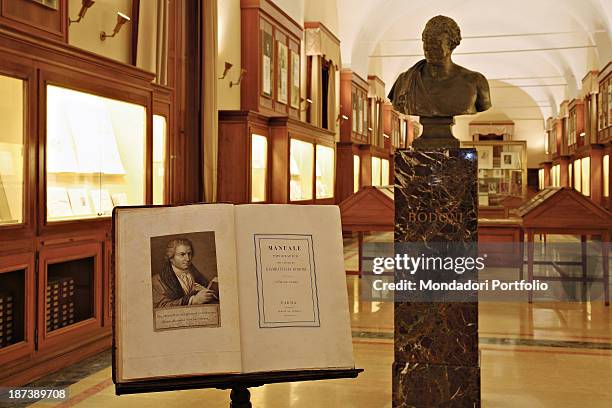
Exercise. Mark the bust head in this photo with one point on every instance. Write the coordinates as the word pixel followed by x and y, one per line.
pixel 440 37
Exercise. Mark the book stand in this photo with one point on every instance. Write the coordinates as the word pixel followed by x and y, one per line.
pixel 238 383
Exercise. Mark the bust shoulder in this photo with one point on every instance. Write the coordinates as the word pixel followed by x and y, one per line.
pixel 469 75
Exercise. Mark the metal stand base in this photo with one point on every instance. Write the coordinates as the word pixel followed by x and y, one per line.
pixel 240 398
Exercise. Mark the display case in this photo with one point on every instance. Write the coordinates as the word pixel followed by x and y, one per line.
pixel 354 107
pixel 12 150
pixel 376 172
pixel 604 103
pixel 160 143
pixel 259 168
pixel 271 56
pixel 324 172
pixel 502 171
pixel 301 155
pixel 356 173
pixel 576 126
pixel 243 174
pixel 95 154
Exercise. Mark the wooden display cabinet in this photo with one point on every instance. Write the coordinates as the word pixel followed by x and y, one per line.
pixel 576 126
pixel 49 22
pixel 17 308
pixel 604 105
pixel 35 243
pixel 354 106
pixel 270 53
pixel 236 157
pixel 502 171
pixel 74 310
pixel 296 152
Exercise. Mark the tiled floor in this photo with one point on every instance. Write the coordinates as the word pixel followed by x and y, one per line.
pixel 556 355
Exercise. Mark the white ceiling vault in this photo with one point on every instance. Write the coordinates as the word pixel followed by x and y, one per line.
pixel 536 48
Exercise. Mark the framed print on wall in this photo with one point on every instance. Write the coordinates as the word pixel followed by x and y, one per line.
pixel 295 80
pixel 485 157
pixel 267 64
pixel 509 160
pixel 283 73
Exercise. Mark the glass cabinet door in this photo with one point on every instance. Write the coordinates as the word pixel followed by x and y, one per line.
pixel 11 150
pixel 356 172
pixel 259 167
pixel 160 135
pixel 95 154
pixel 376 171
pixel 385 172
pixel 324 181
pixel 301 168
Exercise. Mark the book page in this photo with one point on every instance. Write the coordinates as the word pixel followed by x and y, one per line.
pixel 292 287
pixel 176 292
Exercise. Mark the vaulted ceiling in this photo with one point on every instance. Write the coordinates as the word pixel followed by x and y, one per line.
pixel 536 48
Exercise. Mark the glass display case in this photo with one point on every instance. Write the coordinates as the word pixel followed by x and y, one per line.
pixel 12 307
pixel 356 172
pixel 324 176
pixel 555 175
pixel 160 137
pixel 586 175
pixel 11 150
pixel 95 154
pixel 259 167
pixel 541 179
pixel 384 173
pixel 502 170
pixel 576 177
pixel 301 169
pixel 606 175
pixel 376 171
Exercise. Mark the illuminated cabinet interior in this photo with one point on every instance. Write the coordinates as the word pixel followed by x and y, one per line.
pixel 376 171
pixel 384 172
pixel 540 179
pixel 95 155
pixel 586 175
pixel 324 182
pixel 301 170
pixel 577 175
pixel 356 172
pixel 160 136
pixel 606 175
pixel 259 164
pixel 502 170
pixel 11 150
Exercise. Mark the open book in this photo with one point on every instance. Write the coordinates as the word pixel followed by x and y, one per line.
pixel 216 288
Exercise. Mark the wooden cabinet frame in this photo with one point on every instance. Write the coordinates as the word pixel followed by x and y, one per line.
pixel 79 330
pixel 25 347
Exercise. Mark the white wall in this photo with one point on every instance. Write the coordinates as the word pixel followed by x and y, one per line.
pixel 228 50
pixel 102 16
pixel 294 8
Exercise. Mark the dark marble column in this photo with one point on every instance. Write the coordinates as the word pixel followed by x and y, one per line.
pixel 436 344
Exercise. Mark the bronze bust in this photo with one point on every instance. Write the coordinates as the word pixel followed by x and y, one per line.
pixel 436 89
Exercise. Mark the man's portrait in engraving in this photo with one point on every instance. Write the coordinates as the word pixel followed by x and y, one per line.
pixel 184 275
pixel 436 86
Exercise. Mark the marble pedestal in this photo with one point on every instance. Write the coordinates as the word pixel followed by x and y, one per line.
pixel 436 360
